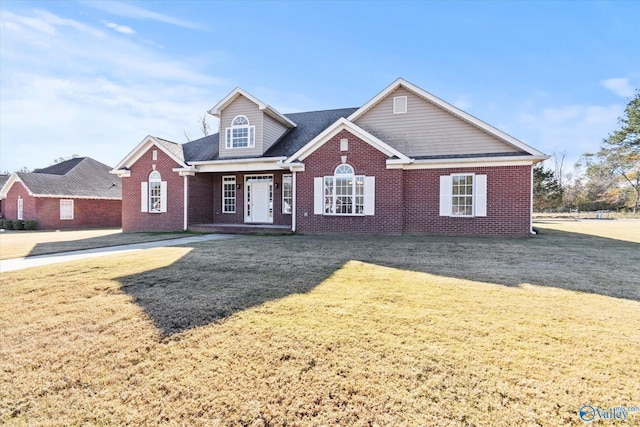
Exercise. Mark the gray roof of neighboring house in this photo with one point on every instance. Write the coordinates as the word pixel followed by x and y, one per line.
pixel 3 179
pixel 309 125
pixel 78 177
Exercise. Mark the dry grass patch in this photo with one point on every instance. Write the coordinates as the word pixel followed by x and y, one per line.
pixel 20 244
pixel 625 229
pixel 306 330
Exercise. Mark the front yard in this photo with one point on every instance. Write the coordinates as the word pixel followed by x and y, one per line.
pixel 329 330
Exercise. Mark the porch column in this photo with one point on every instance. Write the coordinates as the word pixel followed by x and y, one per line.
pixel 293 201
pixel 186 202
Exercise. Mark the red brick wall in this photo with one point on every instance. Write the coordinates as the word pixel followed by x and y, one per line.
pixel 132 219
pixel 87 213
pixel 408 201
pixel 365 160
pixel 10 204
pixel 201 198
pixel 508 202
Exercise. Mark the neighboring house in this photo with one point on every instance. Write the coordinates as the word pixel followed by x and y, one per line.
pixel 3 179
pixel 404 162
pixel 77 193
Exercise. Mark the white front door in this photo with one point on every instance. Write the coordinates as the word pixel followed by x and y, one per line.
pixel 259 202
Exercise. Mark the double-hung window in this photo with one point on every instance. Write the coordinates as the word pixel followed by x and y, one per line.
pixel 153 194
pixel 66 209
pixel 287 194
pixel 20 208
pixel 240 134
pixel 229 194
pixel 463 195
pixel 344 193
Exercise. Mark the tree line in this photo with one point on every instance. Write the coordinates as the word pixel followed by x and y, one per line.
pixel 608 179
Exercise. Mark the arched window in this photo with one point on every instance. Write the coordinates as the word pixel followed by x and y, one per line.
pixel 155 192
pixel 240 134
pixel 344 192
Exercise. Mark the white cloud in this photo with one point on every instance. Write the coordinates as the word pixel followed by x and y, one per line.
pixel 619 86
pixel 463 102
pixel 67 87
pixel 119 28
pixel 576 129
pixel 136 12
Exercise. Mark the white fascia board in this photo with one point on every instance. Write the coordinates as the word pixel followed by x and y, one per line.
pixel 241 165
pixel 7 185
pixel 471 162
pixel 122 173
pixel 68 196
pixel 186 171
pixel 334 129
pixel 447 107
pixel 216 110
pixel 142 148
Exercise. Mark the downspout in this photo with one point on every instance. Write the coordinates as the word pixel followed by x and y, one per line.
pixel 531 230
pixel 185 204
pixel 293 201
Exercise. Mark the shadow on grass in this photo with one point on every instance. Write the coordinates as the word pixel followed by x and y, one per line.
pixel 109 240
pixel 218 279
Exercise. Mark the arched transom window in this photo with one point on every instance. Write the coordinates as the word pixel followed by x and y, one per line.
pixel 155 192
pixel 241 134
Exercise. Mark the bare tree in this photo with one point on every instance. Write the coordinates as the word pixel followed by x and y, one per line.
pixel 558 166
pixel 204 125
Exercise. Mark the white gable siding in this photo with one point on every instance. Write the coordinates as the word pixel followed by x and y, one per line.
pixel 241 105
pixel 272 131
pixel 426 129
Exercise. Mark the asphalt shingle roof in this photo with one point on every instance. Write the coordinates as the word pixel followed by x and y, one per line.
pixel 309 125
pixel 78 177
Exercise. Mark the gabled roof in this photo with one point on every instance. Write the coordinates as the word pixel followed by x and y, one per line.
pixel 81 177
pixel 172 149
pixel 272 112
pixel 400 82
pixel 354 129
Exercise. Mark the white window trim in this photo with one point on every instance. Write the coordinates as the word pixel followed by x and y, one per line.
pixel 230 180
pixel 473 197
pixel 251 134
pixel 145 196
pixel 290 178
pixel 400 101
pixel 478 195
pixel 20 208
pixel 69 208
pixel 368 197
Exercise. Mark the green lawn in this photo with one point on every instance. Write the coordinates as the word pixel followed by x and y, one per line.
pixel 327 330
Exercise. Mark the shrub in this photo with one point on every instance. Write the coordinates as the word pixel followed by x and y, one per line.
pixel 7 224
pixel 18 224
pixel 30 224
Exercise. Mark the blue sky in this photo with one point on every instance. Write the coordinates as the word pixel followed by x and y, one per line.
pixel 93 78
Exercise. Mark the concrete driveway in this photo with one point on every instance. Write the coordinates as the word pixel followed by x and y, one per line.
pixel 35 261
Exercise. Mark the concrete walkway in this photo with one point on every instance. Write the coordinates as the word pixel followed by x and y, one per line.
pixel 35 261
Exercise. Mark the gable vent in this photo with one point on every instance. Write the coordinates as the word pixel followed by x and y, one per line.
pixel 399 104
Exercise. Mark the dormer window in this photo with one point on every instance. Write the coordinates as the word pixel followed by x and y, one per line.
pixel 240 134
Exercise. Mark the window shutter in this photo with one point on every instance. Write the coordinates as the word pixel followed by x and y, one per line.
pixel 163 196
pixel 144 197
pixel 445 195
pixel 369 195
pixel 228 139
pixel 252 131
pixel 318 198
pixel 481 195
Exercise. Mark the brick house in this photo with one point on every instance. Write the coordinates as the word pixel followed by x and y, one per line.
pixel 74 194
pixel 404 162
